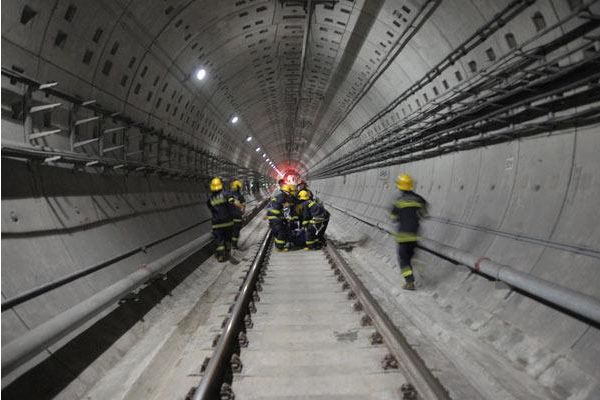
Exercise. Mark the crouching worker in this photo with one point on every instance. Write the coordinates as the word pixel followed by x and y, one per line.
pixel 223 210
pixel 240 208
pixel 314 219
pixel 408 209
pixel 277 221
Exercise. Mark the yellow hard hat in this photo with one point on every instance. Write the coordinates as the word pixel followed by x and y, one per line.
pixel 287 188
pixel 304 195
pixel 404 182
pixel 236 184
pixel 216 184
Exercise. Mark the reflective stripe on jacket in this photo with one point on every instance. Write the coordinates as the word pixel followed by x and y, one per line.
pixel 313 212
pixel 222 209
pixel 407 212
pixel 275 210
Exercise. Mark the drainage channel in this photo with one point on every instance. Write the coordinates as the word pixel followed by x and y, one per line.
pixel 304 326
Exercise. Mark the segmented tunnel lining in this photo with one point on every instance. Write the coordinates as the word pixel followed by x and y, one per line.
pixel 307 342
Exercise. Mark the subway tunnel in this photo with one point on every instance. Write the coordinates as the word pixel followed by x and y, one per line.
pixel 116 115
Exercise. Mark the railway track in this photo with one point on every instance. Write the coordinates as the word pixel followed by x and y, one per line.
pixel 304 326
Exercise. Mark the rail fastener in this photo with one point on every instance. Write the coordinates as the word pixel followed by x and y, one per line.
pixel 422 383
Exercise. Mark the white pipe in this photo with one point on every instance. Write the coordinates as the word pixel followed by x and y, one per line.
pixel 27 346
pixel 578 303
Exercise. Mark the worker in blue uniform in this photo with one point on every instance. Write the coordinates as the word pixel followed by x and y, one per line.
pixel 280 184
pixel 276 217
pixel 301 185
pixel 240 208
pixel 291 211
pixel 407 212
pixel 314 219
pixel 222 208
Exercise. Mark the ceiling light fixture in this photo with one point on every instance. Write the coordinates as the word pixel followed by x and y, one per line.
pixel 234 119
pixel 201 74
pixel 249 139
pixel 257 149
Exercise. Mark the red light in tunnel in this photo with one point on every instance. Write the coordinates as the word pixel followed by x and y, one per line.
pixel 288 171
pixel 291 177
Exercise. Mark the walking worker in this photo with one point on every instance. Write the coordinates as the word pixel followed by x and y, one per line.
pixel 240 208
pixel 221 205
pixel 276 217
pixel 314 219
pixel 408 210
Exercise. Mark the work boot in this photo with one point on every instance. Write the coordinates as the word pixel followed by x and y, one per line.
pixel 221 258
pixel 409 286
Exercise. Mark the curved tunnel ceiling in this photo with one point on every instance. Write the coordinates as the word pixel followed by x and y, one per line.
pixel 303 76
pixel 346 93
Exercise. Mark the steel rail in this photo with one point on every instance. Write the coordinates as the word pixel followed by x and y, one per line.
pixel 409 361
pixel 581 305
pixel 210 386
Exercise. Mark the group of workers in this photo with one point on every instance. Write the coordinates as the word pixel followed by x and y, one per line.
pixel 227 208
pixel 297 219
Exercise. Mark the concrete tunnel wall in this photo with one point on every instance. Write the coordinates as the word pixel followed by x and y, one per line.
pixel 530 204
pixel 445 30
pixel 56 221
